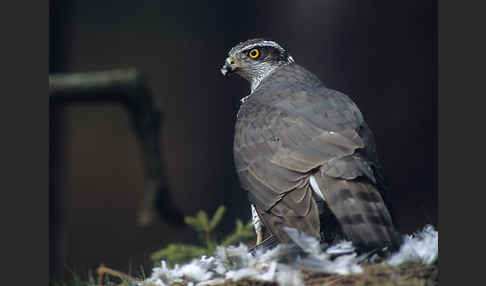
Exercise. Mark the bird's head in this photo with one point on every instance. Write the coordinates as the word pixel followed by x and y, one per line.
pixel 255 59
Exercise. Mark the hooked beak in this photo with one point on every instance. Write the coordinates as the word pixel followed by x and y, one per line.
pixel 230 66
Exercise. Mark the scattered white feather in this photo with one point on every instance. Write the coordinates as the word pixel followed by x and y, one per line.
pixel 307 243
pixel 283 264
pixel 341 247
pixel 320 261
pixel 196 271
pixel 289 276
pixel 269 275
pixel 422 247
pixel 241 273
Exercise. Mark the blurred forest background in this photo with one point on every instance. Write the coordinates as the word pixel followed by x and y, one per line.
pixel 383 54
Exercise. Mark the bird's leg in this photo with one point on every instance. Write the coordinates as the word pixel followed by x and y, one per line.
pixel 257 225
pixel 259 237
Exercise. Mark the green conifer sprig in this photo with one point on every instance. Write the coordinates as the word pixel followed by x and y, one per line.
pixel 178 253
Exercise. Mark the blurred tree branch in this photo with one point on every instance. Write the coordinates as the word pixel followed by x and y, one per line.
pixel 128 87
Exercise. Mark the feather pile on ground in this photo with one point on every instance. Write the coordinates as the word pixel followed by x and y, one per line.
pixel 416 263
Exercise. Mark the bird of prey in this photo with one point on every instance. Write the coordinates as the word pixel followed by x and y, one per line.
pixel 305 155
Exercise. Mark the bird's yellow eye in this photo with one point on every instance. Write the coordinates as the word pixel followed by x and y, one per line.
pixel 254 53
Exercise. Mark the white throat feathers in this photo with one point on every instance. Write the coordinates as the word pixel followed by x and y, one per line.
pixel 266 69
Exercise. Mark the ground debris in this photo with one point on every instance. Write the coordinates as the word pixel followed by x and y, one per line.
pixel 380 274
pixel 410 274
pixel 416 263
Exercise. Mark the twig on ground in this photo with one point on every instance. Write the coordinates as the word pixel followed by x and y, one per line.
pixel 102 270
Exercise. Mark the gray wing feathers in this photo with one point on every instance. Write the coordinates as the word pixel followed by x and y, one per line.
pixel 296 209
pixel 312 153
pixel 287 131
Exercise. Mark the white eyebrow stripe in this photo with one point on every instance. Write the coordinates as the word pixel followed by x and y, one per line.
pixel 262 44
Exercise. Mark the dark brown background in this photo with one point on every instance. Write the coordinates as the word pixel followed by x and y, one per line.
pixel 383 54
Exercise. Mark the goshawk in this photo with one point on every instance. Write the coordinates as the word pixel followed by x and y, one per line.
pixel 305 155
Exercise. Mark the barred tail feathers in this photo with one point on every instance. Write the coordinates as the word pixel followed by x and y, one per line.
pixel 360 210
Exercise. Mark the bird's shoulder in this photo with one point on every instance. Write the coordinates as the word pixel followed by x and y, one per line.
pixel 292 92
